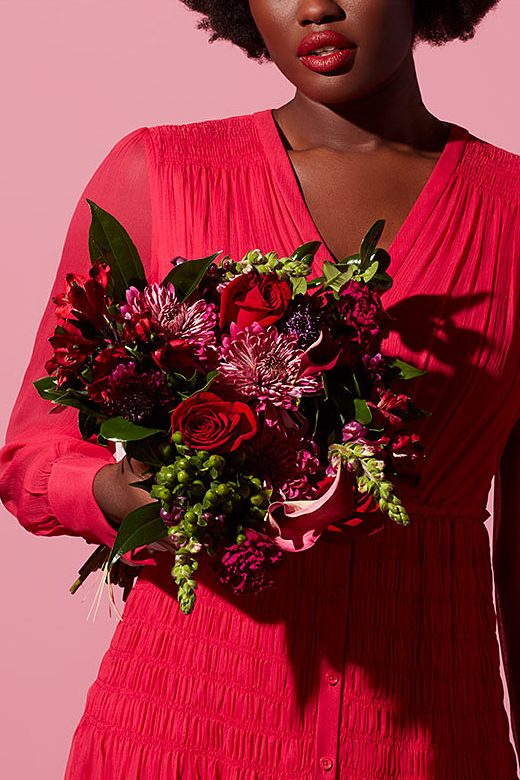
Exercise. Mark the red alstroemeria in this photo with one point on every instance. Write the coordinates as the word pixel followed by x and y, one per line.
pixel 390 410
pixel 71 349
pixel 86 299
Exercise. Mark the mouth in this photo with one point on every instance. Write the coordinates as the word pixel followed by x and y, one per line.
pixel 326 51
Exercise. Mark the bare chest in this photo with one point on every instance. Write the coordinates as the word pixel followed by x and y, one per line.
pixel 346 194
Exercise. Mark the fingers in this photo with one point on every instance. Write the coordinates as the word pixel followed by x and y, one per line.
pixel 136 467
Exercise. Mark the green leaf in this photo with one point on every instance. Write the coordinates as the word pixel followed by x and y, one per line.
pixel 370 271
pixel 187 276
pixel 310 248
pixel 342 397
pixel 88 425
pixel 382 257
pixel 330 270
pixel 325 381
pixel 337 280
pixel 119 429
pixel 140 527
pixel 45 384
pixel 209 379
pixel 349 260
pixel 405 370
pixel 109 241
pixel 299 285
pixel 362 411
pixel 382 281
pixel 144 450
pixel 48 390
pixel 369 243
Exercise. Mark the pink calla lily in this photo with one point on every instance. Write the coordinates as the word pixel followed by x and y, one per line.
pixel 321 355
pixel 297 525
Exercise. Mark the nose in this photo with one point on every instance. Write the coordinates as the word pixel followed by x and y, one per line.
pixel 319 12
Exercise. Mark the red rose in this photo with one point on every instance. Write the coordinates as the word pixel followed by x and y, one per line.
pixel 209 423
pixel 254 297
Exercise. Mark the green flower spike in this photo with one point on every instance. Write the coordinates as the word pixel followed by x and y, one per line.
pixel 370 478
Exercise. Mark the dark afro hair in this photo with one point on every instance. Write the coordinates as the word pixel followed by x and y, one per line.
pixel 436 21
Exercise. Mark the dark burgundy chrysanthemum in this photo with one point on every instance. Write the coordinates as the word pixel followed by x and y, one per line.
pixel 246 567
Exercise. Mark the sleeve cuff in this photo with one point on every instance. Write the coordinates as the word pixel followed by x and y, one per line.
pixel 72 502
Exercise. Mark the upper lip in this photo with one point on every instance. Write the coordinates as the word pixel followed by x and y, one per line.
pixel 316 40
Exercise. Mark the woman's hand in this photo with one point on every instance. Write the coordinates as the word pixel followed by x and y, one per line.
pixel 113 490
pixel 116 497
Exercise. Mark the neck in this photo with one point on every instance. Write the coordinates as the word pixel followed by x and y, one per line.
pixel 394 114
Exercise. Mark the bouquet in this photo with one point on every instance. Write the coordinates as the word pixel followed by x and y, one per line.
pixel 257 393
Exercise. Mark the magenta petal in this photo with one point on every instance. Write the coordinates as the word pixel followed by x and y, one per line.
pixel 299 524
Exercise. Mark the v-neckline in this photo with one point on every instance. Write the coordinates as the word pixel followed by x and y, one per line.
pixel 288 182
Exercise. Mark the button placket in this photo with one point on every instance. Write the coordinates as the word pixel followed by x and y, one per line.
pixel 333 620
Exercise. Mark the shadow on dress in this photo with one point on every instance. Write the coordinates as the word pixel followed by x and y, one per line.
pixel 420 626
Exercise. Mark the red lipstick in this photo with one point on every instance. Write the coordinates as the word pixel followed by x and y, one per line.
pixel 342 51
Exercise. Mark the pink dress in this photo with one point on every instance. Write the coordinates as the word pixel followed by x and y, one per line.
pixel 371 660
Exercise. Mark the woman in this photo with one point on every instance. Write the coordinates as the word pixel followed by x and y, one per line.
pixel 374 657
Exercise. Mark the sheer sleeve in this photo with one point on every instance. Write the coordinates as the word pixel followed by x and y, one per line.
pixel 46 468
pixel 506 567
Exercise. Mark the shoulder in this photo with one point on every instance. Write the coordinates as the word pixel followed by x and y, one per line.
pixel 491 167
pixel 211 141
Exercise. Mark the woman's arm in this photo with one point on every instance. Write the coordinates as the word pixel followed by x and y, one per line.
pixel 506 566
pixel 46 469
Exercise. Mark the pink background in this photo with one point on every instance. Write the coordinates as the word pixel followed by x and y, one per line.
pixel 79 76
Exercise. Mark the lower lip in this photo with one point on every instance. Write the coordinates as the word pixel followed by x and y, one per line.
pixel 328 63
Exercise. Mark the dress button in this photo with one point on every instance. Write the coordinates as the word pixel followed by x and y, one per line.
pixel 339 591
pixel 332 678
pixel 326 763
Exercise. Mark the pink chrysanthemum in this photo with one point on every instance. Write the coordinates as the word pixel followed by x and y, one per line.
pixel 193 323
pixel 260 363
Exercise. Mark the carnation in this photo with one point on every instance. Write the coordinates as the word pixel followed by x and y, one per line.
pixel 362 314
pixel 247 566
